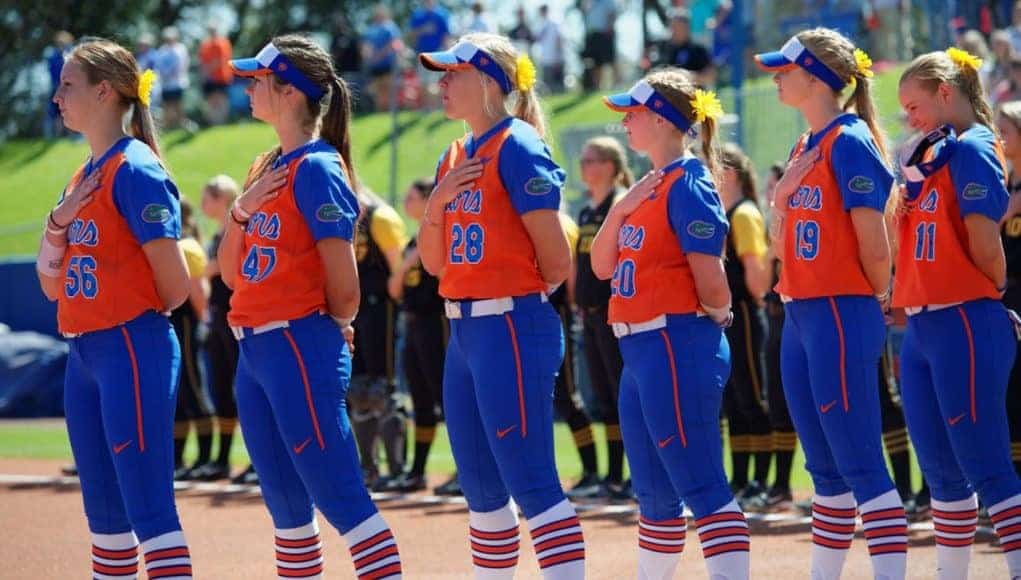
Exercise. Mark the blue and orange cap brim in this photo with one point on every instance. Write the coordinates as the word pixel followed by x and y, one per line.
pixel 622 103
pixel 248 67
pixel 442 61
pixel 774 61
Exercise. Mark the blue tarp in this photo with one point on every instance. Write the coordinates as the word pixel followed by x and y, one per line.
pixel 31 375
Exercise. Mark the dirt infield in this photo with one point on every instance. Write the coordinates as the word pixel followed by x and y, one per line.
pixel 230 536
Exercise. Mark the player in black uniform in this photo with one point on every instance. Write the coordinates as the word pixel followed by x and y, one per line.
pixel 1009 124
pixel 605 174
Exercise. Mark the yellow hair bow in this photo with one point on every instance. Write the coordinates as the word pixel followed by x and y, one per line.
pixel 145 83
pixel 706 106
pixel 524 76
pixel 964 59
pixel 863 63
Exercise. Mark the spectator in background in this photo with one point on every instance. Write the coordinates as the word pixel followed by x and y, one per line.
pixel 53 125
pixel 521 35
pixel 147 57
pixel 550 54
pixel 681 51
pixel 1015 28
pixel 380 46
pixel 703 15
pixel 600 41
pixel 173 61
pixel 346 50
pixel 215 53
pixel 1001 52
pixel 478 21
pixel 430 32
pixel 1010 88
pixel 973 42
pixel 889 29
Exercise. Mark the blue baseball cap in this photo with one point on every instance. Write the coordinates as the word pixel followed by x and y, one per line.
pixel 271 61
pixel 794 54
pixel 464 55
pixel 644 96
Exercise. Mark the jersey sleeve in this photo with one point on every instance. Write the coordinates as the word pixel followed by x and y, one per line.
pixel 696 215
pixel 530 175
pixel 387 229
pixel 863 178
pixel 324 198
pixel 148 201
pixel 748 231
pixel 979 179
pixel 194 257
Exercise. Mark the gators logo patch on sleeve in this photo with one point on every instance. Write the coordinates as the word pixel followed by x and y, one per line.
pixel 538 186
pixel 329 212
pixel 861 184
pixel 701 230
pixel 974 191
pixel 155 213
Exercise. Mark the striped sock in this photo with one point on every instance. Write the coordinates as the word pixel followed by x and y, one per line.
pixel 832 532
pixel 167 557
pixel 725 542
pixel 374 550
pixel 955 523
pixel 886 533
pixel 495 542
pixel 660 543
pixel 1006 517
pixel 114 556
pixel 299 552
pixel 559 545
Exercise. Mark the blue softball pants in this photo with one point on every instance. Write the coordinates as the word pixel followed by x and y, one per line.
pixel 498 404
pixel 120 394
pixel 291 393
pixel 955 364
pixel 671 390
pixel 829 354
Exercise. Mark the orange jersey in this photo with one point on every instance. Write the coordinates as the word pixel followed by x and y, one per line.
pixel 653 276
pixel 489 252
pixel 108 277
pixel 215 55
pixel 934 264
pixel 820 247
pixel 281 274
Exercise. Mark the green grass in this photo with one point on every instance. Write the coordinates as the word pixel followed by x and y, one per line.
pixel 33 172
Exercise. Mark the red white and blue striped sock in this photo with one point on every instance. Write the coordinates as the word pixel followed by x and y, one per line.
pixel 955 523
pixel 559 545
pixel 832 532
pixel 114 556
pixel 167 557
pixel 886 532
pixel 725 542
pixel 1006 517
pixel 299 552
pixel 374 550
pixel 495 542
pixel 660 543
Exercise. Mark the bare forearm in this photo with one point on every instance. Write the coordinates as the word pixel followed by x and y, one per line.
pixel 430 242
pixel 989 259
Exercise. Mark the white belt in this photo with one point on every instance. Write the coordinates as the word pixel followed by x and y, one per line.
pixel 785 298
pixel 477 308
pixel 913 310
pixel 625 328
pixel 241 332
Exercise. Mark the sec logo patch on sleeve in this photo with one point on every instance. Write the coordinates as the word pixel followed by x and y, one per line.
pixel 701 230
pixel 155 213
pixel 861 184
pixel 329 212
pixel 538 186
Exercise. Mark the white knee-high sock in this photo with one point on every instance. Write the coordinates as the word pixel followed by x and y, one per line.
pixel 1006 517
pixel 299 552
pixel 167 557
pixel 832 532
pixel 660 543
pixel 559 545
pixel 114 556
pixel 495 542
pixel 886 532
pixel 955 523
pixel 725 543
pixel 374 550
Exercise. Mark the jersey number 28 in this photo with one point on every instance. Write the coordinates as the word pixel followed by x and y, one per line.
pixel 467 244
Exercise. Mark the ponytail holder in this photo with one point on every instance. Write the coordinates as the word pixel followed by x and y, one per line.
pixel 524 75
pixel 964 59
pixel 706 106
pixel 145 83
pixel 863 63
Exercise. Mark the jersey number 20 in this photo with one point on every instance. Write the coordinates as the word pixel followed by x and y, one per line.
pixel 467 244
